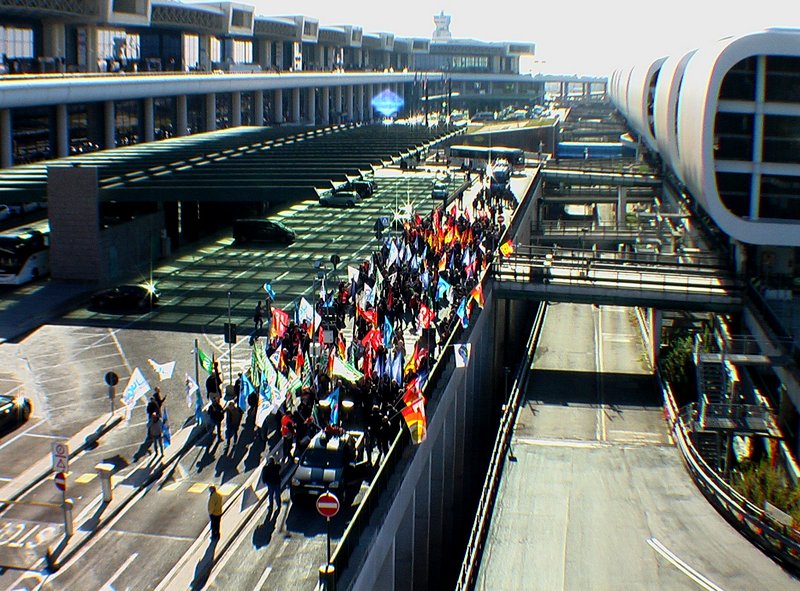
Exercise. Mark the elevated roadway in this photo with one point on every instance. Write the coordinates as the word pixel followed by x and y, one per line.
pixel 595 495
pixel 586 276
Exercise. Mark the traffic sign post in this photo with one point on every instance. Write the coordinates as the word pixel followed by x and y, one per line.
pixel 60 480
pixel 111 379
pixel 328 506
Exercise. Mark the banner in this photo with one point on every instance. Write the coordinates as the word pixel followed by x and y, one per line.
pixel 463 351
pixel 191 388
pixel 137 387
pixel 345 370
pixel 206 362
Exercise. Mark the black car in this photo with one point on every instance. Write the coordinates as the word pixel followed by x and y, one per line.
pixel 260 230
pixel 126 297
pixel 14 410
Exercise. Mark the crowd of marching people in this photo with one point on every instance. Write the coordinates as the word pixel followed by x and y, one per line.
pixel 343 362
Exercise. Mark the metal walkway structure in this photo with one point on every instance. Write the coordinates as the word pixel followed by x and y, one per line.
pixel 667 282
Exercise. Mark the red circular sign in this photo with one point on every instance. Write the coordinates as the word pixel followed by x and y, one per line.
pixel 60 481
pixel 327 505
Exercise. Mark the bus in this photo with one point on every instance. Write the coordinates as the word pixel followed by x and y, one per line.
pixel 24 254
pixel 477 157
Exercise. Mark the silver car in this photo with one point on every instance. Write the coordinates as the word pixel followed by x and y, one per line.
pixel 340 199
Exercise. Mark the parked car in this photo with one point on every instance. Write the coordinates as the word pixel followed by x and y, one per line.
pixel 365 187
pixel 340 199
pixel 19 208
pixel 126 297
pixel 5 212
pixel 14 410
pixel 262 230
pixel 330 462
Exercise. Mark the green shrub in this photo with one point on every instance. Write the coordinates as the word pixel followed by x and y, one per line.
pixel 760 482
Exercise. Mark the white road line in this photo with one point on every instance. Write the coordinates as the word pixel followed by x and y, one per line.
pixel 682 566
pixel 88 509
pixel 113 335
pixel 263 579
pixel 118 572
pixel 573 443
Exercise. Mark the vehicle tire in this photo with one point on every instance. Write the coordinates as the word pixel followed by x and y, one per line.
pixel 351 204
pixel 25 411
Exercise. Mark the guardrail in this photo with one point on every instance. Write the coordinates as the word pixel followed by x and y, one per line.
pixel 480 525
pixel 779 542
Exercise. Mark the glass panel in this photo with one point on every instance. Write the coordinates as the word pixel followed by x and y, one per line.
pixel 740 82
pixel 734 190
pixel 781 139
pixel 780 197
pixel 733 136
pixel 783 79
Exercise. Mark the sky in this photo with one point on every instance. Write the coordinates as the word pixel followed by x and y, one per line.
pixel 590 37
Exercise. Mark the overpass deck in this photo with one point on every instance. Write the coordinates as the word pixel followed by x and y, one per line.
pixel 586 276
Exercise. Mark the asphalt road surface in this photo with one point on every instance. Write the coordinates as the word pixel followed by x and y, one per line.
pixel 598 497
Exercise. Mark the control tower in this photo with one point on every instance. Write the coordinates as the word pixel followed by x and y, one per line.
pixel 442 31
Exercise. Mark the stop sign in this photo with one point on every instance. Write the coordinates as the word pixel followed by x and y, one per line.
pixel 327 505
pixel 60 481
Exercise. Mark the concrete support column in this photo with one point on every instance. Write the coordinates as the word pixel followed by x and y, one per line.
pixel 148 120
pixel 204 56
pixel 295 106
pixel 277 105
pixel 236 109
pixel 62 131
pixel 349 103
pixel 311 106
pixel 54 37
pixel 338 99
pixel 622 205
pixel 109 125
pixel 655 334
pixel 264 55
pixel 369 93
pixel 6 144
pixel 211 111
pixel 258 107
pixel 325 99
pixel 360 102
pixel 182 115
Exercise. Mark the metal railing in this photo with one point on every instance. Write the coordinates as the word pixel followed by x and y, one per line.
pixel 778 541
pixel 482 521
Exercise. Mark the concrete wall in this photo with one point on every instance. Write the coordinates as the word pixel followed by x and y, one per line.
pixel 130 248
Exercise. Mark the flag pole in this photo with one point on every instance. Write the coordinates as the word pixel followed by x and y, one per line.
pixel 197 362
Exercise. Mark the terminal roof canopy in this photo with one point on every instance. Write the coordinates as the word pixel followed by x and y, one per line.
pixel 240 164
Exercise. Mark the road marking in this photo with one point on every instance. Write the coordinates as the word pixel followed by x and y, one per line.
pixel 262 579
pixel 85 478
pixel 226 489
pixel 118 572
pixel 198 487
pixel 113 335
pixel 682 566
pixel 573 443
pixel 600 425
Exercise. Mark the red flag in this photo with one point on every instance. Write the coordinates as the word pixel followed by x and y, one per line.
pixel 413 392
pixel 280 322
pixel 416 422
pixel 426 316
pixel 370 316
pixel 443 262
pixel 321 336
pixel 453 210
pixel 373 339
pixel 477 295
pixel 299 362
pixel 340 346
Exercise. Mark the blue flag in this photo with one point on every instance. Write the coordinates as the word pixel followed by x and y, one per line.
pixel 396 371
pixel 442 288
pixel 333 400
pixel 245 390
pixel 265 390
pixel 269 290
pixel 165 430
pixel 462 313
pixel 388 331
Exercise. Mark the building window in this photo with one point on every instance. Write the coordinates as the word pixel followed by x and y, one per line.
pixel 733 135
pixel 781 139
pixel 16 42
pixel 740 81
pixel 191 51
pixel 241 19
pixel 780 197
pixel 734 191
pixel 242 52
pixel 117 44
pixel 216 50
pixel 783 79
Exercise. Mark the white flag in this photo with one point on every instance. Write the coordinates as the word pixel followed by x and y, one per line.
pixel 164 371
pixel 191 388
pixel 352 273
pixel 137 387
pixel 462 354
pixel 305 311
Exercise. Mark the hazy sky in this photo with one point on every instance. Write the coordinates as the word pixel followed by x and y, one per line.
pixel 578 36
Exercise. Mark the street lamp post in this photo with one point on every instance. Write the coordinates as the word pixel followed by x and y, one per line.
pixel 230 346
